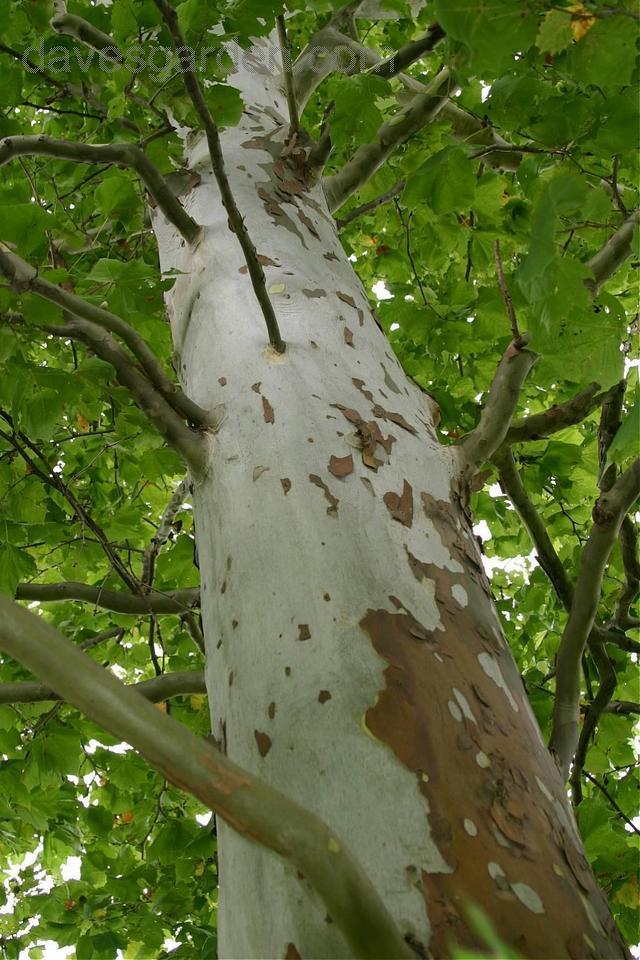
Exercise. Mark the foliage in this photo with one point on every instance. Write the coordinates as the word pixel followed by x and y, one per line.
pixel 558 83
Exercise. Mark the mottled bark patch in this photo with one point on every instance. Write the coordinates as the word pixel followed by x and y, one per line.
pixel 264 742
pixel 476 767
pixel 400 506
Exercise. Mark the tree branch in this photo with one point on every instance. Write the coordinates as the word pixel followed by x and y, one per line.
pixel 613 254
pixel 370 156
pixel 79 28
pixel 163 532
pixel 254 267
pixel 512 484
pixel 22 276
pixel 171 601
pixel 480 445
pixel 190 444
pixel 120 154
pixel 631 564
pixel 155 690
pixel 556 418
pixel 606 688
pixel 607 518
pixel 287 69
pixel 248 805
pixel 370 205
pixel 21 444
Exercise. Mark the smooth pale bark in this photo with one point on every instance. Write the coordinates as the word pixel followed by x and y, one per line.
pixel 354 656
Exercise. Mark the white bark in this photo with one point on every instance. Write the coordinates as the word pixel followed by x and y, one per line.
pixel 304 573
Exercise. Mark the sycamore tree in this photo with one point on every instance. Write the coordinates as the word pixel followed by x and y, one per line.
pixel 304 308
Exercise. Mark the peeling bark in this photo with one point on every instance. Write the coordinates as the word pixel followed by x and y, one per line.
pixel 356 620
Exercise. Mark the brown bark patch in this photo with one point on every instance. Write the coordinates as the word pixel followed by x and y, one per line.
pixel 493 825
pixel 341 466
pixel 292 952
pixel 303 631
pixel 222 381
pixel 332 509
pixel 348 336
pixel 323 696
pixel 346 298
pixel 314 294
pixel 271 710
pixel 267 411
pixel 308 223
pixel 264 742
pixel 286 484
pixel 400 506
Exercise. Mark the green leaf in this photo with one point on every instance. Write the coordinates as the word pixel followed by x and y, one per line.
pixel 446 182
pixel 606 54
pixel 492 30
pixel 555 32
pixel 15 565
pixel 624 445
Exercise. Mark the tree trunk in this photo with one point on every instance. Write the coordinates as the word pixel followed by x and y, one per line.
pixel 355 659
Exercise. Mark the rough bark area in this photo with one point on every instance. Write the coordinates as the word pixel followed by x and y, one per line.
pixel 354 656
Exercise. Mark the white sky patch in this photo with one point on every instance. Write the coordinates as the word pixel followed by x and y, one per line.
pixel 379 289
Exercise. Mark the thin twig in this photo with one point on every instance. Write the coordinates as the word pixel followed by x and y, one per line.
pixel 506 296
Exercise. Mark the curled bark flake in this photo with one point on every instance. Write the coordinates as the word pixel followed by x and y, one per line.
pixel 256 386
pixel 400 506
pixel 258 471
pixel 286 484
pixel 341 466
pixel 267 411
pixel 264 742
pixel 332 509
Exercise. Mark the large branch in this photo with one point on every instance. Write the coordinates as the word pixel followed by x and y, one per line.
pixel 556 418
pixel 369 157
pixel 118 601
pixel 248 805
pixel 73 26
pixel 120 154
pixel 480 445
pixel 193 88
pixel 329 50
pixel 23 277
pixel 613 254
pixel 155 690
pixel 607 518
